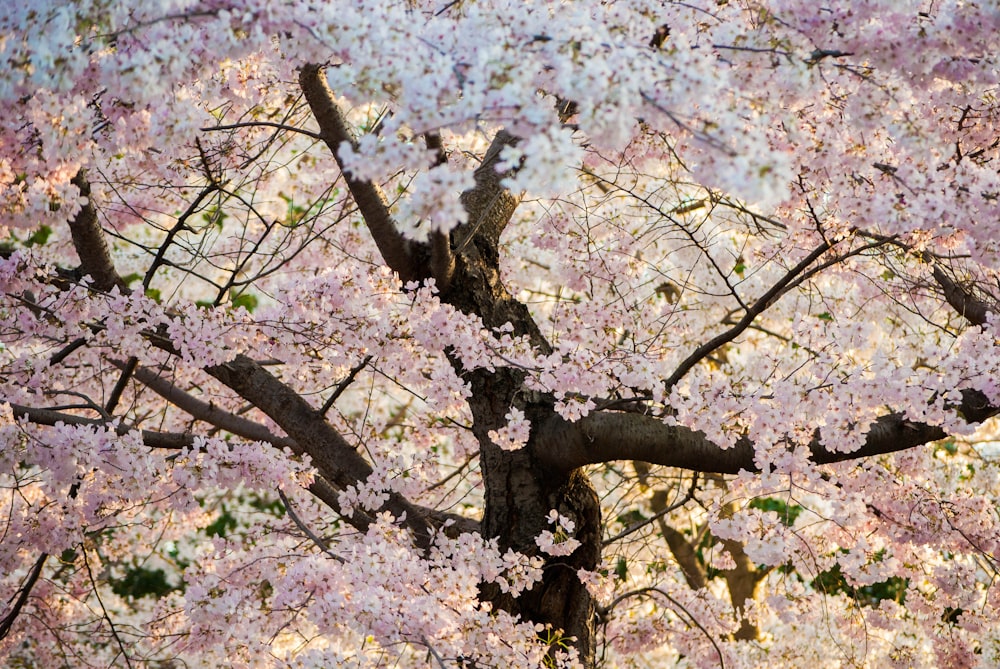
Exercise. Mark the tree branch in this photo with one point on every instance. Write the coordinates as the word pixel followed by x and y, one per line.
pixel 684 552
pixel 757 308
pixel 90 244
pixel 329 451
pixel 433 141
pixel 7 622
pixel 305 528
pixel 167 440
pixel 442 259
pixel 369 197
pixel 660 509
pixel 128 369
pixel 961 300
pixel 175 441
pixel 248 429
pixel 338 463
pixel 207 412
pixel 490 204
pixel 603 611
pixel 605 436
pixel 343 385
pixel 320 487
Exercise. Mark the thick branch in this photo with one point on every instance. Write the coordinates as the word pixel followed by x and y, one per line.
pixel 338 463
pixel 239 426
pixel 605 436
pixel 684 553
pixel 961 300
pixel 320 487
pixel 368 196
pixel 209 413
pixel 167 440
pixel 489 203
pixel 331 454
pixel 442 259
pixel 90 244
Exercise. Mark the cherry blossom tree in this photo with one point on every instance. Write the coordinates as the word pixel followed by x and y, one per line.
pixel 485 333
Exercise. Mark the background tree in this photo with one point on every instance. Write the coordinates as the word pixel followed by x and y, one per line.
pixel 499 334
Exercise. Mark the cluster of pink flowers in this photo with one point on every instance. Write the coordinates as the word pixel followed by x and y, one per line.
pixel 677 164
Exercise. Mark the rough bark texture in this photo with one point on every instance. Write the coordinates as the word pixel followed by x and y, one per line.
pixel 521 487
pixel 367 195
pixel 336 460
pixel 90 243
pixel 607 436
pixel 519 490
pixel 962 300
pixel 519 495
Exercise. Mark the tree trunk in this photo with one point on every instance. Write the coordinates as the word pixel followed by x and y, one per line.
pixel 519 494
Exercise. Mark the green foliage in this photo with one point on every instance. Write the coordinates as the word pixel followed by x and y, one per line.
pixel 555 641
pixel 39 237
pixel 222 525
pixel 947 446
pixel 296 214
pixel 246 300
pixel 270 506
pixel 631 517
pixel 833 581
pixel 215 217
pixel 786 512
pixel 131 278
pixel 621 568
pixel 228 521
pixel 142 582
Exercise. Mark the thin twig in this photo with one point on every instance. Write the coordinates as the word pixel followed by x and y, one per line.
pixel 604 610
pixel 656 516
pixel 309 533
pixel 269 124
pixel 758 307
pixel 342 386
pixel 7 622
pixel 97 594
pixel 433 651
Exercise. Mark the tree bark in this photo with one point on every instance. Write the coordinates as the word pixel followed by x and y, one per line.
pixel 90 243
pixel 519 494
pixel 606 436
pixel 367 195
